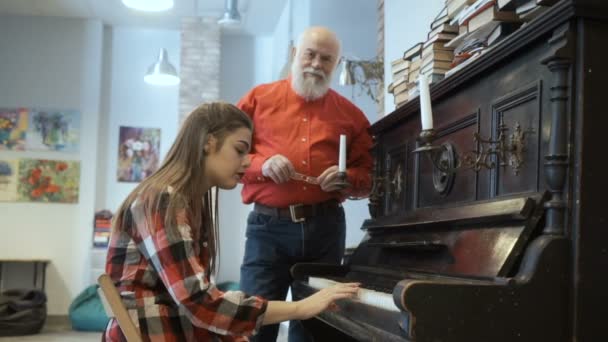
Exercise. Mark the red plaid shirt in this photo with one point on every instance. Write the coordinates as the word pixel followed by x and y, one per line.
pixel 162 277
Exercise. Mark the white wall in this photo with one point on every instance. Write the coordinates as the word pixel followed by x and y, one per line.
pixel 236 78
pixel 132 102
pixel 53 62
pixel 406 22
pixel 354 21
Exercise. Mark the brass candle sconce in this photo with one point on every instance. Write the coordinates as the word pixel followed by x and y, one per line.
pixel 508 149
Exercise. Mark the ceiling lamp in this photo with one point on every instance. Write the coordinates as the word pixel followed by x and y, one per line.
pixel 231 16
pixel 162 72
pixel 149 5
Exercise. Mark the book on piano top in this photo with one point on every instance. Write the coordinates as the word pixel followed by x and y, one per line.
pixel 508 5
pixel 443 28
pixel 480 34
pixel 501 31
pixel 416 63
pixel 400 74
pixel 413 51
pixel 455 6
pixel 401 98
pixel 438 55
pixel 399 64
pixel 476 8
pixel 511 5
pixel 441 18
pixel 413 75
pixel 530 10
pixel 491 14
pixel 400 88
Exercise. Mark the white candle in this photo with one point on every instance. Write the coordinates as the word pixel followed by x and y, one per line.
pixel 342 157
pixel 426 114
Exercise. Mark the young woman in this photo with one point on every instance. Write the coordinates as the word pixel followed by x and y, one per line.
pixel 165 241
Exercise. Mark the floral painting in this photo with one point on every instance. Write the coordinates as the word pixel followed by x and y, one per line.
pixel 8 180
pixel 48 180
pixel 138 153
pixel 13 128
pixel 53 130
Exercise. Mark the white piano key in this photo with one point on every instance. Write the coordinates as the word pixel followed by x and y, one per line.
pixel 370 297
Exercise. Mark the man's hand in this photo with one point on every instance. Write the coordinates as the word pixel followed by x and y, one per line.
pixel 278 168
pixel 330 180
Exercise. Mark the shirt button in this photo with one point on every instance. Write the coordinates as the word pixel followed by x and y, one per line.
pixel 304 162
pixel 303 188
pixel 260 178
pixel 305 119
pixel 303 139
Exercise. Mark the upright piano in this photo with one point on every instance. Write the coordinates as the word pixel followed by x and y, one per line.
pixel 491 226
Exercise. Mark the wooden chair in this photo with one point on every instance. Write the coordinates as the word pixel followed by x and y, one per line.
pixel 115 308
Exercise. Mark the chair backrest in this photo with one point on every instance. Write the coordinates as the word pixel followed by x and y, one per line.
pixel 115 308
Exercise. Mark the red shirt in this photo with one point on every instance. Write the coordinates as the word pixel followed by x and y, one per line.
pixel 308 134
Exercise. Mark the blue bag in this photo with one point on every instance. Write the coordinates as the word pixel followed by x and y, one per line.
pixel 86 311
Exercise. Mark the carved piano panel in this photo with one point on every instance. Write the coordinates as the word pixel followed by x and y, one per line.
pixel 396 166
pixel 520 112
pixel 436 187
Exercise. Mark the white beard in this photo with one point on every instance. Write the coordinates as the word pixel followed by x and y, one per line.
pixel 310 88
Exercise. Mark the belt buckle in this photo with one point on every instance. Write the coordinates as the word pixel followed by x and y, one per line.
pixel 292 212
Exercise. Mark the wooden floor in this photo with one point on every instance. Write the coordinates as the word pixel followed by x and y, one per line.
pixel 55 331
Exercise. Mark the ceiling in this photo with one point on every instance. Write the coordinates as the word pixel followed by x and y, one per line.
pixel 259 17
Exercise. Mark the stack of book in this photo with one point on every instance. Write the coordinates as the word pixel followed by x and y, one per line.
pixel 526 10
pixel 481 25
pixel 414 56
pixel 102 227
pixel 398 87
pixel 436 57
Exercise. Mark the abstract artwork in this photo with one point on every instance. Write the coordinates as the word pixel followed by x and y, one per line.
pixel 8 180
pixel 138 153
pixel 53 130
pixel 13 127
pixel 42 180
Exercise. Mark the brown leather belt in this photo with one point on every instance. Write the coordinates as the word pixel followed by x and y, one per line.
pixel 299 212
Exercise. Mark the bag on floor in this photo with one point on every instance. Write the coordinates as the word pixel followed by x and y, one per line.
pixel 22 312
pixel 86 311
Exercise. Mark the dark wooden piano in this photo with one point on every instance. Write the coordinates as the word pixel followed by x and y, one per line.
pixel 491 226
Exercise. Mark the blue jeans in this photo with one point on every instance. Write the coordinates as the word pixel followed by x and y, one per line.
pixel 274 245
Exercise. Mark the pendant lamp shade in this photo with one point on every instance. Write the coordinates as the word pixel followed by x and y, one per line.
pixel 231 16
pixel 149 5
pixel 162 72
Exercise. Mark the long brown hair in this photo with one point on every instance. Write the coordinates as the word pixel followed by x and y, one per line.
pixel 182 171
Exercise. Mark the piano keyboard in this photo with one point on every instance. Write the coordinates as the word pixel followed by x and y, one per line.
pixel 380 300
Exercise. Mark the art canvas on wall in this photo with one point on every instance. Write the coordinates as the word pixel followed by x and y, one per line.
pixel 42 180
pixel 8 180
pixel 13 127
pixel 138 153
pixel 53 130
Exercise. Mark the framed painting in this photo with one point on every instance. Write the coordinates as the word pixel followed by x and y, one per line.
pixel 138 153
pixel 42 180
pixel 13 128
pixel 53 130
pixel 8 180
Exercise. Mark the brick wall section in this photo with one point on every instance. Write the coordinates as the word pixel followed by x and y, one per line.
pixel 380 54
pixel 199 63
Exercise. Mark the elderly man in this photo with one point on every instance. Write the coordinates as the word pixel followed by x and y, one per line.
pixel 293 179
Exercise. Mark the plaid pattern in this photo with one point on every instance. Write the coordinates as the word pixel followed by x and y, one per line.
pixel 162 276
